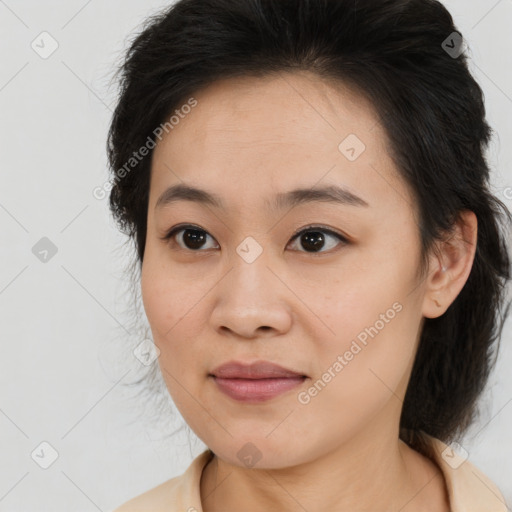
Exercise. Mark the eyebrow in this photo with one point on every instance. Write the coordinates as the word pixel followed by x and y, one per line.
pixel 292 198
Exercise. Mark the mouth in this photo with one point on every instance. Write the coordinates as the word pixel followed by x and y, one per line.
pixel 256 370
pixel 256 382
pixel 256 390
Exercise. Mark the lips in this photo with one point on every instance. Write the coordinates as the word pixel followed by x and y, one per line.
pixel 256 370
pixel 256 382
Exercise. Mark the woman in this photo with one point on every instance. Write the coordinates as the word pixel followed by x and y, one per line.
pixel 322 264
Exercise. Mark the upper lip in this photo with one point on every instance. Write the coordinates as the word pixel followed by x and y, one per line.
pixel 256 370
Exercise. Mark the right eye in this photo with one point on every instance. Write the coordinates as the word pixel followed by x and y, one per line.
pixel 191 237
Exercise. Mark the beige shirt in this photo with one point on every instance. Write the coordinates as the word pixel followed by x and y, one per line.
pixel 469 490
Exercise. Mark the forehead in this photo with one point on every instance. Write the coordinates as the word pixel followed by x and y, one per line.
pixel 265 135
pixel 293 109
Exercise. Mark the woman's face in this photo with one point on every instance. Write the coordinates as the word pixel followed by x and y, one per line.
pixel 346 314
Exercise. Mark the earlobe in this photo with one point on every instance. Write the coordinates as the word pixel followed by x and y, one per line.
pixel 451 265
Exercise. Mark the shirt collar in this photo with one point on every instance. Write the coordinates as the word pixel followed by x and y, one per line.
pixel 469 490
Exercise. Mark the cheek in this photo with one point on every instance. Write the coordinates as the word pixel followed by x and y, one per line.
pixel 173 306
pixel 372 319
pixel 169 300
pixel 367 331
pixel 356 301
pixel 360 375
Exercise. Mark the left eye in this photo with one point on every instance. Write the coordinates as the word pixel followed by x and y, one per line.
pixel 312 238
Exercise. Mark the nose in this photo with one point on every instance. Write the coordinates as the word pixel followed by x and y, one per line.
pixel 251 301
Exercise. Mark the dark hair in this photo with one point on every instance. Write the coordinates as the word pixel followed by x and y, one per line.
pixel 403 56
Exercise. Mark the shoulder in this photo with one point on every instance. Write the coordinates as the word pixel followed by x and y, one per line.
pixel 179 492
pixel 157 498
pixel 469 488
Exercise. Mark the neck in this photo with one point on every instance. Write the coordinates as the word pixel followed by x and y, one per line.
pixel 372 471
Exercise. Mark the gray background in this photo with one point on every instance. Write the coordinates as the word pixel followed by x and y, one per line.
pixel 67 329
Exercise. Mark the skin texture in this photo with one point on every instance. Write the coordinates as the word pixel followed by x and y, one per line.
pixel 246 140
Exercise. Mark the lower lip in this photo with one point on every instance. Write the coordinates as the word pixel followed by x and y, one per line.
pixel 256 390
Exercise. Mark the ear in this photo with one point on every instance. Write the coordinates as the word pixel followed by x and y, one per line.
pixel 450 265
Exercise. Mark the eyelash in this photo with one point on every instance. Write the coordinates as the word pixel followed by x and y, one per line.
pixel 312 228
